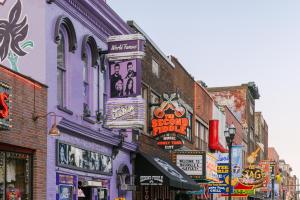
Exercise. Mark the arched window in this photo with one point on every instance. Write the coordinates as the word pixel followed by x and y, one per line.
pixel 87 83
pixel 90 76
pixel 61 71
pixel 65 38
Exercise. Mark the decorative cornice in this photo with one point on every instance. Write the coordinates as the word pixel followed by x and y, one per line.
pixel 67 23
pixel 99 18
pixel 105 136
pixel 89 40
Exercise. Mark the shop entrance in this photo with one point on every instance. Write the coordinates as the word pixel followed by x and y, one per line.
pixel 15 176
pixel 91 192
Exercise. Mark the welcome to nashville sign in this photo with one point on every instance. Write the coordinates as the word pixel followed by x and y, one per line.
pixel 5 94
pixel 169 124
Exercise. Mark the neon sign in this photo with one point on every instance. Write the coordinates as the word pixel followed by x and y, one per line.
pixel 5 92
pixel 169 124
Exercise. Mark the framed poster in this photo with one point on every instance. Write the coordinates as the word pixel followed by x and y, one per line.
pixel 124 78
pixel 65 192
pixel 66 186
pixel 73 157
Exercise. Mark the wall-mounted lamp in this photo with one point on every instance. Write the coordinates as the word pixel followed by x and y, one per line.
pixel 54 131
pixel 115 150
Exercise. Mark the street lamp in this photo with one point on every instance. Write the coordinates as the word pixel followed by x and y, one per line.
pixel 229 135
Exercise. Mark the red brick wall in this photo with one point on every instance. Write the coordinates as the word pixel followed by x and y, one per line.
pixel 272 154
pixel 183 82
pixel 231 119
pixel 203 103
pixel 25 132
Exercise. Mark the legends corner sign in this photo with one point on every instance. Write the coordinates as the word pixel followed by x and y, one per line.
pixel 5 94
pixel 169 123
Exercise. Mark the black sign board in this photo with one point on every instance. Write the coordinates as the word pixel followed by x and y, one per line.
pixel 151 180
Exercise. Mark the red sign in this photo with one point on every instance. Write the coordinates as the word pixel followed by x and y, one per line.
pixel 4 106
pixel 170 122
pixel 4 109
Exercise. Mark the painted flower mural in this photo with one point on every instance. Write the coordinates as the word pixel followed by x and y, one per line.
pixel 12 35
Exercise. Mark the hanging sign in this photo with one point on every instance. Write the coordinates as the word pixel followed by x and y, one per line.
pixel 266 167
pixel 253 176
pixel 218 188
pixel 169 123
pixel 211 168
pixel 124 47
pixel 5 106
pixel 241 190
pixel 125 113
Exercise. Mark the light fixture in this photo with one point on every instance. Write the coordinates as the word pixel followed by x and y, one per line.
pixel 115 150
pixel 54 131
pixel 229 135
pixel 232 131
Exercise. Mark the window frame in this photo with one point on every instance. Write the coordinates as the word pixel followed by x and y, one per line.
pixel 62 95
pixel 152 68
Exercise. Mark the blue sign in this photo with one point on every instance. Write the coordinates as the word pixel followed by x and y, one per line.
pixel 237 161
pixel 218 188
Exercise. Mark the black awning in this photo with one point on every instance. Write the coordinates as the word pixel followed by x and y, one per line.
pixel 153 166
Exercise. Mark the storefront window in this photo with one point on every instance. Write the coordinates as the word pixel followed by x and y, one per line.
pixel 15 176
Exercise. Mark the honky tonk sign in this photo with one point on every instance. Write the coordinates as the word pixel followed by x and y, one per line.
pixel 169 124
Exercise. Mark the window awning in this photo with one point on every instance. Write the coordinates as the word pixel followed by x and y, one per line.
pixel 148 166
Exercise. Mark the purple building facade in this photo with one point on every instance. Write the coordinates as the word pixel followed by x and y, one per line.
pixel 87 159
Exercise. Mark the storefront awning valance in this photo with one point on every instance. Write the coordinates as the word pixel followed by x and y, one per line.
pixel 153 170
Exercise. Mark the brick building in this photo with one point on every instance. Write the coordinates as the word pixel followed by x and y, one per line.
pixel 166 89
pixel 241 101
pixel 261 133
pixel 202 115
pixel 23 141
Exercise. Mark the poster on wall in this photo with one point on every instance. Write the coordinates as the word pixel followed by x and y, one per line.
pixel 5 106
pixel 66 186
pixel 73 157
pixel 125 78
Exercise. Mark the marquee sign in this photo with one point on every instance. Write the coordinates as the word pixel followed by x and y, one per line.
pixel 5 106
pixel 125 112
pixel 169 124
pixel 253 176
pixel 194 163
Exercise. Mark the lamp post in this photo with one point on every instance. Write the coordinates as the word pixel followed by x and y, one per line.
pixel 229 135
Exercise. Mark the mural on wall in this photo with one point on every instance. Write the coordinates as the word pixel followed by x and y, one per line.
pixel 13 34
pixel 2 2
pixel 235 101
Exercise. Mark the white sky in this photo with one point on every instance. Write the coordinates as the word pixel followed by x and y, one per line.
pixel 230 42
